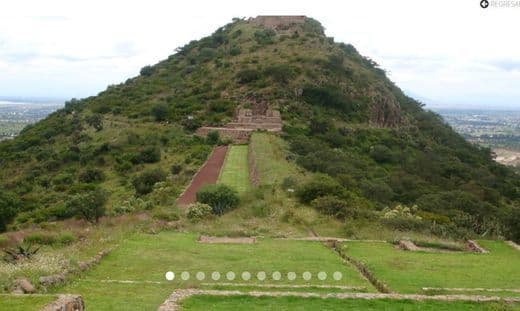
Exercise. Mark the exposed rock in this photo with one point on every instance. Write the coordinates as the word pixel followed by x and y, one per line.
pixel 24 285
pixel 225 240
pixel 66 303
pixel 52 279
pixel 408 245
pixel 473 246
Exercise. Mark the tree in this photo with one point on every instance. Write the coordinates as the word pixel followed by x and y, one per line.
pixel 96 121
pixel 90 206
pixel 213 137
pixel 8 207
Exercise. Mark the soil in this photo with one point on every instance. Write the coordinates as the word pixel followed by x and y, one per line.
pixel 208 174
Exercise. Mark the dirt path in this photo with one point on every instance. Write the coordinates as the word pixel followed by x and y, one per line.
pixel 174 301
pixel 208 174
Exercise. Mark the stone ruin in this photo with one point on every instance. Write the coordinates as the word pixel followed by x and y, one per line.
pixel 247 120
pixel 278 22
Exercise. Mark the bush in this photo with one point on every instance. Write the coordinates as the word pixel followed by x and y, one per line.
pixel 247 76
pixel 144 182
pixel 147 71
pixel 318 186
pixel 213 137
pixel 8 208
pixel 90 205
pixel 221 198
pixel 176 169
pixel 331 205
pixel 149 154
pixel 91 175
pixel 166 215
pixel 199 211
pixel 160 112
pixel 96 121
pixel 265 36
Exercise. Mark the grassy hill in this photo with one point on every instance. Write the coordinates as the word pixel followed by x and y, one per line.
pixel 362 145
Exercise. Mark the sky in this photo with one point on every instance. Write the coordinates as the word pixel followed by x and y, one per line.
pixel 445 53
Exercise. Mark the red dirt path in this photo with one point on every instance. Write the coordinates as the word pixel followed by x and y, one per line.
pixel 208 174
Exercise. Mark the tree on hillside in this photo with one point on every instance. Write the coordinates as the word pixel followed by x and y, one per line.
pixel 90 206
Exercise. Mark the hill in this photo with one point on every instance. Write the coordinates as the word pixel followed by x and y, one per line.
pixel 368 152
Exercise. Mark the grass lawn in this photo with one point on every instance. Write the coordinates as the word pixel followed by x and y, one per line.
pixel 24 302
pixel 148 257
pixel 269 152
pixel 204 302
pixel 235 172
pixel 408 272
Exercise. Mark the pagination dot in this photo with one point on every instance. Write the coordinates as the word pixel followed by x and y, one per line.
pixel 277 276
pixel 322 275
pixel 215 276
pixel 337 275
pixel 291 276
pixel 200 275
pixel 170 276
pixel 230 275
pixel 306 275
pixel 261 275
pixel 246 276
pixel 185 275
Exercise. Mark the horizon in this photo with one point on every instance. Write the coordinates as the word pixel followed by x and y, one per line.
pixel 54 51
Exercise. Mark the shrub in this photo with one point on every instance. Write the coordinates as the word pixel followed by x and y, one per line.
pixel 330 205
pixel 91 175
pixel 147 71
pixel 149 154
pixel 160 112
pixel 144 182
pixel 319 185
pixel 247 76
pixel 176 169
pixel 198 211
pixel 96 121
pixel 234 51
pixel 221 198
pixel 280 73
pixel 265 36
pixel 213 138
pixel 166 215
pixel 8 208
pixel 90 205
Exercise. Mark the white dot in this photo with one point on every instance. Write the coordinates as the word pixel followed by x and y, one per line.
pixel 200 276
pixel 261 275
pixel 306 275
pixel 337 275
pixel 322 275
pixel 170 276
pixel 246 276
pixel 185 276
pixel 277 276
pixel 291 276
pixel 230 275
pixel 215 276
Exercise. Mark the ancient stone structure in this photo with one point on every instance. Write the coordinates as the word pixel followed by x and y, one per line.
pixel 259 117
pixel 278 23
pixel 66 303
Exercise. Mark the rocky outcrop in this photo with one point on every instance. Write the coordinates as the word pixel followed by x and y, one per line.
pixel 66 303
pixel 474 247
pixel 385 111
pixel 23 286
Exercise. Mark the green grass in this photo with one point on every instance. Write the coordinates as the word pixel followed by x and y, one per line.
pixel 269 152
pixel 408 272
pixel 235 172
pixel 204 302
pixel 148 257
pixel 24 302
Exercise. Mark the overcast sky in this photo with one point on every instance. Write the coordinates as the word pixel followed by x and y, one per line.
pixel 445 53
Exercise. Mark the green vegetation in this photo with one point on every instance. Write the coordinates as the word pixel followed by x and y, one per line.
pixel 203 302
pixel 408 272
pixel 221 198
pixel 175 252
pixel 24 302
pixel 235 172
pixel 269 152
